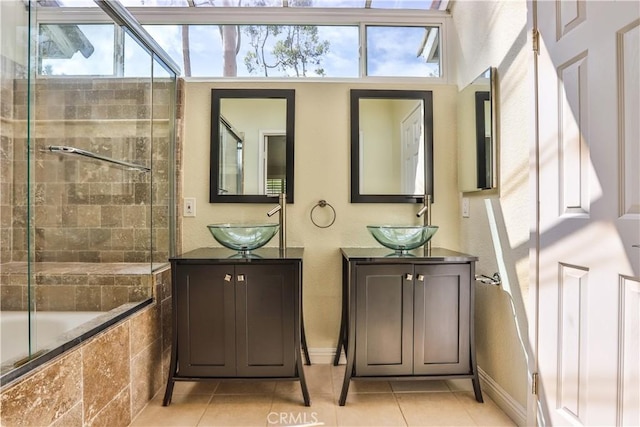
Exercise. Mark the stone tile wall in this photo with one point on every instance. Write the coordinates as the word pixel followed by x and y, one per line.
pixel 105 381
pixel 8 73
pixel 86 210
pixel 68 286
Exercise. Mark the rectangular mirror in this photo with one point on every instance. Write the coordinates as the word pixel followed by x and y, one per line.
pixel 252 139
pixel 391 146
pixel 477 135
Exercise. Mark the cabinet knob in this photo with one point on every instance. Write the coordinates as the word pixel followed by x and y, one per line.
pixel 409 276
pixel 420 277
pixel 227 277
pixel 240 277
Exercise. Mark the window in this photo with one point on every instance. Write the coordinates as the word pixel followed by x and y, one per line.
pixel 66 49
pixel 394 51
pixel 336 43
pixel 262 50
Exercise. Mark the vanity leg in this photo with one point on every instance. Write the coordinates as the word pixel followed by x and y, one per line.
pixel 305 349
pixel 303 382
pixel 173 365
pixel 476 388
pixel 349 339
pixel 343 334
pixel 347 379
pixel 170 381
pixel 168 392
pixel 336 358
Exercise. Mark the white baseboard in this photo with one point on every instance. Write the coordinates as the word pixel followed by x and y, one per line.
pixel 508 404
pixel 324 356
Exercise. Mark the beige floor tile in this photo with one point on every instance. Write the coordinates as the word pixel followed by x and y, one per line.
pixel 280 403
pixel 370 409
pixel 484 414
pixel 248 410
pixel 368 386
pixel 194 387
pixel 419 386
pixel 290 410
pixel 245 387
pixel 460 385
pixel 357 386
pixel 184 410
pixel 318 378
pixel 433 409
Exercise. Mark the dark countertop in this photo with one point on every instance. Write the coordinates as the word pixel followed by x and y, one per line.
pixel 381 254
pixel 225 255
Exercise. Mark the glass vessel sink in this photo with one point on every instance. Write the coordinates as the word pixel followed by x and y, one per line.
pixel 402 238
pixel 243 237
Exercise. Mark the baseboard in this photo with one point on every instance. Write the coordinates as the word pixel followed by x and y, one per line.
pixel 501 398
pixel 324 356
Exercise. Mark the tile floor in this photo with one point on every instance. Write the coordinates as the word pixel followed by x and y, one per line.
pixel 279 403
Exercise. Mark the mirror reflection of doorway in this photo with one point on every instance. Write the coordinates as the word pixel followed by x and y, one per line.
pixel 273 170
pixel 231 175
pixel 412 154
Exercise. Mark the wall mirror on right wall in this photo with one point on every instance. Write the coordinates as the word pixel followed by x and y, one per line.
pixel 477 134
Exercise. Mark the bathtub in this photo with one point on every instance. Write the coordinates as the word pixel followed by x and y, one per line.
pixel 49 329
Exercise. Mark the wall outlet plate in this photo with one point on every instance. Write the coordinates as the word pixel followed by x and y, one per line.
pixel 189 208
pixel 465 207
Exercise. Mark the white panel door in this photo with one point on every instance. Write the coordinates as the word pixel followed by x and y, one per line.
pixel 412 152
pixel 589 212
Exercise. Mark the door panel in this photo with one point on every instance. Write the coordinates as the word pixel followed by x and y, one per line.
pixel 265 316
pixel 206 343
pixel 442 306
pixel 589 215
pixel 384 319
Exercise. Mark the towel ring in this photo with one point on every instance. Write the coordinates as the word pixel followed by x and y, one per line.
pixel 322 204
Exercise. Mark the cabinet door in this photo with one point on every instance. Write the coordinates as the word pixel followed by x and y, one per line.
pixel 442 298
pixel 266 319
pixel 205 320
pixel 384 320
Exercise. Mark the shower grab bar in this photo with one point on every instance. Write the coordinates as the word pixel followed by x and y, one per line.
pixel 64 149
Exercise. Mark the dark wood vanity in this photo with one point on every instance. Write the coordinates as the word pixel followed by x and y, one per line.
pixel 407 316
pixel 237 317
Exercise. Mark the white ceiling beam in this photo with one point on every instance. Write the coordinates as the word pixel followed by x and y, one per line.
pixel 247 15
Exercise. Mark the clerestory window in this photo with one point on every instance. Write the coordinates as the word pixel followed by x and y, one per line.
pixel 354 47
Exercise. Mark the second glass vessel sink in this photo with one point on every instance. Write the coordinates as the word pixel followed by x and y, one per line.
pixel 402 238
pixel 243 237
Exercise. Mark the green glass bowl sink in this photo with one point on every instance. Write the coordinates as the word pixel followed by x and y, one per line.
pixel 402 238
pixel 243 237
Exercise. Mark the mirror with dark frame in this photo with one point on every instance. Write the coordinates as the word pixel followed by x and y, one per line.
pixel 477 136
pixel 391 146
pixel 252 145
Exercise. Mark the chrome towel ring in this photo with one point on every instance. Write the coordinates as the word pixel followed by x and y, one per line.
pixel 322 204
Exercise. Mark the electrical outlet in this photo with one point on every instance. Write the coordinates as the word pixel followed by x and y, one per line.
pixel 465 207
pixel 189 206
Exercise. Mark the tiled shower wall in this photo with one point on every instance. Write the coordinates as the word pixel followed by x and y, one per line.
pixel 105 381
pixel 8 71
pixel 87 210
pixel 84 211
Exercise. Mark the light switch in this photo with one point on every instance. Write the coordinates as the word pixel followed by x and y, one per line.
pixel 465 207
pixel 189 208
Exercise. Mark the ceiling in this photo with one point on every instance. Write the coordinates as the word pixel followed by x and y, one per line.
pixel 352 4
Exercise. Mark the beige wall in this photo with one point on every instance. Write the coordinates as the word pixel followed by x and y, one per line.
pixel 492 33
pixel 322 153
pixel 13 30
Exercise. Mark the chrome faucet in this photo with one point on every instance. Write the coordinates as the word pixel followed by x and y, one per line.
pixel 282 220
pixel 425 212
